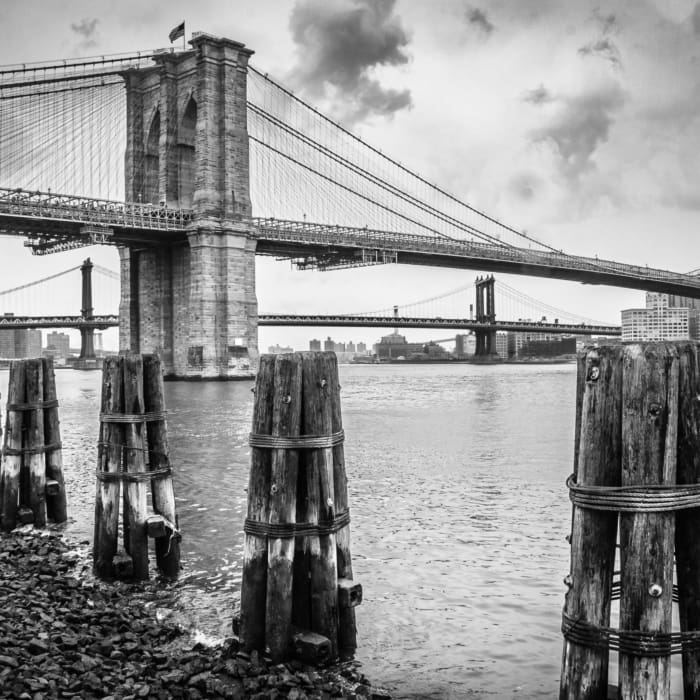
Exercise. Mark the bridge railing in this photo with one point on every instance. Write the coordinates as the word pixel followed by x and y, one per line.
pixel 92 211
pixel 524 326
pixel 295 231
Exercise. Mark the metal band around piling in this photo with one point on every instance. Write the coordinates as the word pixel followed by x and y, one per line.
pixel 40 449
pixel 162 473
pixel 131 417
pixel 302 442
pixel 34 406
pixel 261 529
pixel 635 499
pixel 631 642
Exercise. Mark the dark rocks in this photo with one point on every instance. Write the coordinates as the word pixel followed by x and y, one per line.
pixel 63 635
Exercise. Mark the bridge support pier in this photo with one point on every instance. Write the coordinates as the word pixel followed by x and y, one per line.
pixel 192 302
pixel 87 359
pixel 485 313
pixel 194 305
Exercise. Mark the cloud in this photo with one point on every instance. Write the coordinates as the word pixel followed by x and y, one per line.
pixel 524 185
pixel 86 29
pixel 579 128
pixel 608 23
pixel 695 18
pixel 478 19
pixel 603 48
pixel 341 42
pixel 540 95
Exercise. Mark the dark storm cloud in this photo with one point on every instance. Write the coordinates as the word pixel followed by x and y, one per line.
pixel 86 29
pixel 603 48
pixel 341 41
pixel 524 185
pixel 477 18
pixel 540 95
pixel 582 125
pixel 608 23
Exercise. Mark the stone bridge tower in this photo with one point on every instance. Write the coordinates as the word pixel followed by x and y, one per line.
pixel 192 301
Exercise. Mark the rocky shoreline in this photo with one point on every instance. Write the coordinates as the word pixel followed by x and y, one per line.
pixel 65 635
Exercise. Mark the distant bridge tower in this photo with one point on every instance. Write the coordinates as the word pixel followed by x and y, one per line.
pixel 87 335
pixel 187 146
pixel 485 313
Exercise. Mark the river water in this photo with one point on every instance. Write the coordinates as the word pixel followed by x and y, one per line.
pixel 459 514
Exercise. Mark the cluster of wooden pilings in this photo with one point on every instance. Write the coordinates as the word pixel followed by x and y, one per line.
pixel 297 594
pixel 132 455
pixel 32 489
pixel 636 473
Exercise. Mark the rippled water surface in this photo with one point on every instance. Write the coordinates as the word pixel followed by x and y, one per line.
pixel 459 513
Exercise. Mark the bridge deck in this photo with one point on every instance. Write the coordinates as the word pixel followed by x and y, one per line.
pixel 49 220
pixel 337 320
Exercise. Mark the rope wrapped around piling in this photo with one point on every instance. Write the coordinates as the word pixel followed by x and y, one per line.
pixel 34 406
pixel 301 442
pixel 40 449
pixel 132 417
pixel 327 527
pixel 631 642
pixel 162 473
pixel 634 499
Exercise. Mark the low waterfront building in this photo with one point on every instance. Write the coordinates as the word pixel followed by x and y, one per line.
pixel 279 350
pixel 662 319
pixel 395 347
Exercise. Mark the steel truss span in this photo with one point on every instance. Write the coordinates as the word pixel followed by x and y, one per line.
pixel 456 323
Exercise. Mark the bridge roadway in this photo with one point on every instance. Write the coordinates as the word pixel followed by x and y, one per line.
pixel 54 222
pixel 458 324
pixel 95 322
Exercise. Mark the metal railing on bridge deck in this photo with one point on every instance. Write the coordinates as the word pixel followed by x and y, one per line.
pixel 98 322
pixel 350 320
pixel 321 234
pixel 102 213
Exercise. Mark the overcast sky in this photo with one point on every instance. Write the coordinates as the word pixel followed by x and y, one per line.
pixel 579 122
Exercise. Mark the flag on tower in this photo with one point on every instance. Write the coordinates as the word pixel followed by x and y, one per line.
pixel 177 32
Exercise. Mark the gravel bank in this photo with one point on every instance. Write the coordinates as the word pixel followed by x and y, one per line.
pixel 65 635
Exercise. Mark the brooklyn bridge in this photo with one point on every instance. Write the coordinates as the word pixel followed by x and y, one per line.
pixel 193 162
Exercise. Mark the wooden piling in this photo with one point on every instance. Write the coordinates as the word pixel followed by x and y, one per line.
pixel 167 545
pixel 649 446
pixel 136 504
pixel 347 626
pixel 110 457
pixel 34 459
pixel 12 457
pixel 319 379
pixel 688 521
pixel 254 576
pixel 133 450
pixel 286 422
pixel 584 668
pixel 297 502
pixel 56 502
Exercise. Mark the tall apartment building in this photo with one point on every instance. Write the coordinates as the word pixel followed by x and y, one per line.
pixel 314 344
pixel 58 344
pixel 666 317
